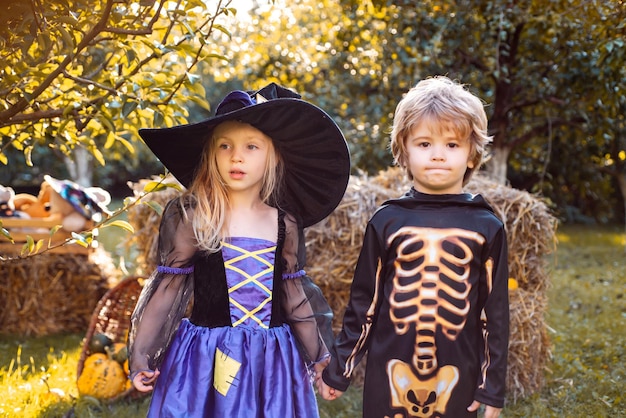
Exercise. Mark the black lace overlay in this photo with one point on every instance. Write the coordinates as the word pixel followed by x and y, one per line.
pixel 166 297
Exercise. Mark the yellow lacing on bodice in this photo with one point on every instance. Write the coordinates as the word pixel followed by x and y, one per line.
pixel 229 265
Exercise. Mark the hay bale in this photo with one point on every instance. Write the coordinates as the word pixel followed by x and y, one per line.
pixel 333 247
pixel 52 293
pixel 145 220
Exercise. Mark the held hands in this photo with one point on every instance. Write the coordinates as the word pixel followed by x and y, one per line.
pixel 143 380
pixel 325 391
pixel 490 411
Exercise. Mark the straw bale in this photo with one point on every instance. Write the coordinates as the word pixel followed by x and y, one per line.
pixel 52 293
pixel 529 345
pixel 145 220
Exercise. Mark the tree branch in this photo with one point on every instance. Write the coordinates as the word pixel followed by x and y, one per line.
pixel 22 103
pixel 538 129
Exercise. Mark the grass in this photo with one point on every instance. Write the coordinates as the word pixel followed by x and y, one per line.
pixel 586 377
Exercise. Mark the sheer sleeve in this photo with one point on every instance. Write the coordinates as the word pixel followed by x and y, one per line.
pixel 306 310
pixel 166 294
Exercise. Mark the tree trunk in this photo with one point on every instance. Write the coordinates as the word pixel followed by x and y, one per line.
pixel 621 181
pixel 80 166
pixel 496 167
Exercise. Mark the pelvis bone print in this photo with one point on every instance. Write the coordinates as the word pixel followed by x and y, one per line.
pixel 420 398
pixel 430 294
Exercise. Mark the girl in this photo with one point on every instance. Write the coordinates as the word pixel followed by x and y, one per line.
pixel 266 166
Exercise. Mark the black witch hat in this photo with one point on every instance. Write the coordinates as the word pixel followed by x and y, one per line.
pixel 313 149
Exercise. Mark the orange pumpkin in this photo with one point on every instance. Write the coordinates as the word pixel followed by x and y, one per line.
pixel 102 377
pixel 126 367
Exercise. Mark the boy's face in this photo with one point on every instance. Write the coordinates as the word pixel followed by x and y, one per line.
pixel 437 158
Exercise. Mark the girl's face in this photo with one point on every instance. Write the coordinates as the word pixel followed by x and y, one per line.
pixel 241 153
pixel 437 158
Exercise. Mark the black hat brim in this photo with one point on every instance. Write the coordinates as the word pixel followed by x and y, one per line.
pixel 314 151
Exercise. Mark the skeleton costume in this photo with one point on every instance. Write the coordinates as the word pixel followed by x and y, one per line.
pixel 258 323
pixel 429 305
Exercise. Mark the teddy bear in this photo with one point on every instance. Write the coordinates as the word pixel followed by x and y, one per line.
pixel 73 206
pixel 35 206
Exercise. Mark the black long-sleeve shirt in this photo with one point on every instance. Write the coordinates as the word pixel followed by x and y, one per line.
pixel 429 304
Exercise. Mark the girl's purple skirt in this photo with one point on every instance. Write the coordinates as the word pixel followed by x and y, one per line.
pixel 260 373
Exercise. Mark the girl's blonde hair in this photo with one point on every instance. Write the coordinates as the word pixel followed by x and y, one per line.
pixel 209 194
pixel 445 104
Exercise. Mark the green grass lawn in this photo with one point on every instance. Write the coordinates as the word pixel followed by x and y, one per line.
pixel 586 377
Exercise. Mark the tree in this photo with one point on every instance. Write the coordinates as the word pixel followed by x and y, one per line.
pixel 529 61
pixel 606 99
pixel 81 76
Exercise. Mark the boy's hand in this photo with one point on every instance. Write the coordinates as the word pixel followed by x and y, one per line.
pixel 326 392
pixel 490 411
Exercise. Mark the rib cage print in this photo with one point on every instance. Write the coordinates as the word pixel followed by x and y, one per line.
pixel 430 294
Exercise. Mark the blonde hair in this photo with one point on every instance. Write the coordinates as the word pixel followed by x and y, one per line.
pixel 209 194
pixel 445 104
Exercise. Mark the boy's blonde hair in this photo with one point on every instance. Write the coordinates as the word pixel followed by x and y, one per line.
pixel 445 104
pixel 210 193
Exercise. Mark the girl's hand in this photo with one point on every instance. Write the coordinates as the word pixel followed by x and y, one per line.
pixel 490 411
pixel 319 367
pixel 143 380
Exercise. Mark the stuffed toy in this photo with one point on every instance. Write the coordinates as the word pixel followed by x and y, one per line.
pixel 73 206
pixel 7 202
pixel 35 206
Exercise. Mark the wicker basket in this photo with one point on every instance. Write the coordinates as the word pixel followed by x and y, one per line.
pixel 111 317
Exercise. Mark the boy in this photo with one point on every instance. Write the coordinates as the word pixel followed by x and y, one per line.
pixel 429 299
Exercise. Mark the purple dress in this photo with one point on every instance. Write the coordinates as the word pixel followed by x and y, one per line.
pixel 247 370
pixel 241 349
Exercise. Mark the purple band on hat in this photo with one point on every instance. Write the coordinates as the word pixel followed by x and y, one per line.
pixel 233 101
pixel 175 270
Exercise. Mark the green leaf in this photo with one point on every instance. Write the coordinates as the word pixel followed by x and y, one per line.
pixel 129 146
pixel 154 186
pixel 197 89
pixel 54 229
pixel 128 107
pixel 28 155
pixel 67 38
pixel 110 140
pixel 193 77
pixel 155 207
pixel 68 109
pixel 107 122
pixel 97 154
pixel 38 245
pixel 223 30
pixel 189 29
pixel 120 224
pixel 80 240
pixel 131 55
pixel 5 233
pixel 129 201
pixel 68 19
pixel 30 244
pixel 203 103
pixel 157 120
pixel 25 249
